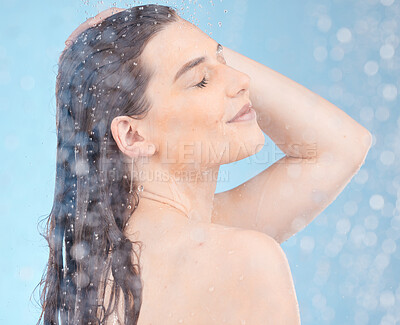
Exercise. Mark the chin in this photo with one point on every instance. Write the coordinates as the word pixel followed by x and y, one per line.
pixel 254 140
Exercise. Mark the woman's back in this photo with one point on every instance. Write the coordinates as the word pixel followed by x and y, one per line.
pixel 211 274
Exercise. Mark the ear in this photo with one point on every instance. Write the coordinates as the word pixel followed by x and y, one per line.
pixel 124 130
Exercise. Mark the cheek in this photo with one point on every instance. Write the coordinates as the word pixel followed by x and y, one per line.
pixel 177 126
pixel 212 117
pixel 210 111
pixel 191 118
pixel 203 115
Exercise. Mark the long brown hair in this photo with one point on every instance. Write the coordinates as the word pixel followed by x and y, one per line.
pixel 100 76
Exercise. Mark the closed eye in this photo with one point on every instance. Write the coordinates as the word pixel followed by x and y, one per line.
pixel 203 83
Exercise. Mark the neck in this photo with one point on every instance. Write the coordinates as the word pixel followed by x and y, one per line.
pixel 192 199
pixel 163 199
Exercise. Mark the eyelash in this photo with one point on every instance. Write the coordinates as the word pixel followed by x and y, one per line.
pixel 202 83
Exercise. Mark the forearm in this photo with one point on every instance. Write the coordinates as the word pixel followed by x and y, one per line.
pixel 294 117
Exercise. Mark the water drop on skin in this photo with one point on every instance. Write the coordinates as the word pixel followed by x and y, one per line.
pixel 231 252
pixel 211 289
pixel 241 278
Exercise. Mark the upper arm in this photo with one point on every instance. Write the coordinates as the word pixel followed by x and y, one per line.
pixel 267 289
pixel 288 195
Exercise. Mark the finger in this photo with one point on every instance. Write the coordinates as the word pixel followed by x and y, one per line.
pixel 71 38
pixel 104 14
pixel 91 22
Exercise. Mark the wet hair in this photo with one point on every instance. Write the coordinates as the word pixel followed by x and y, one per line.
pixel 100 76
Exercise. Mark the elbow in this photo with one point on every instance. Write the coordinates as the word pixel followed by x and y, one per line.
pixel 363 143
pixel 355 147
pixel 366 141
pixel 368 138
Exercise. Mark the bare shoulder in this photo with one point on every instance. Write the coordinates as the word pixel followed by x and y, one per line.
pixel 256 280
pixel 260 250
pixel 253 247
pixel 256 254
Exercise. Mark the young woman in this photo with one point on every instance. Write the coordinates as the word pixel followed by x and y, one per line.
pixel 148 108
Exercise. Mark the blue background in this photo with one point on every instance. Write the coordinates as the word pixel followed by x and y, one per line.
pixel 345 264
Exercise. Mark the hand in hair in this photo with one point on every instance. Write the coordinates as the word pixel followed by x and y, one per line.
pixel 91 22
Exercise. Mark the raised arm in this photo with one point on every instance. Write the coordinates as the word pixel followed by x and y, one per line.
pixel 324 148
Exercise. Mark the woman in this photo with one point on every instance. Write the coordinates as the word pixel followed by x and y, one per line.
pixel 148 108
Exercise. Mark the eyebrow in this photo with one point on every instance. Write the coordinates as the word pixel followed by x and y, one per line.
pixel 193 63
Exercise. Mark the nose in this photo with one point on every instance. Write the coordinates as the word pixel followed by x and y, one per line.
pixel 240 83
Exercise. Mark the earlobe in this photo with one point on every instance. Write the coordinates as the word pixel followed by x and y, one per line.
pixel 140 149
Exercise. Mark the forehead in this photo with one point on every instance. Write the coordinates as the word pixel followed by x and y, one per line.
pixel 172 47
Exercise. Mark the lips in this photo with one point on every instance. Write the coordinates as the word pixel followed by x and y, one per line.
pixel 242 111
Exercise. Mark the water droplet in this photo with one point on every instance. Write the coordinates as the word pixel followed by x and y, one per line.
pixel 387 51
pixel 344 35
pixel 376 202
pixel 81 279
pixel 241 277
pixel 371 68
pixel 211 289
pixel 231 252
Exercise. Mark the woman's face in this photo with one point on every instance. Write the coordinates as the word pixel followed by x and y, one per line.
pixel 189 115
